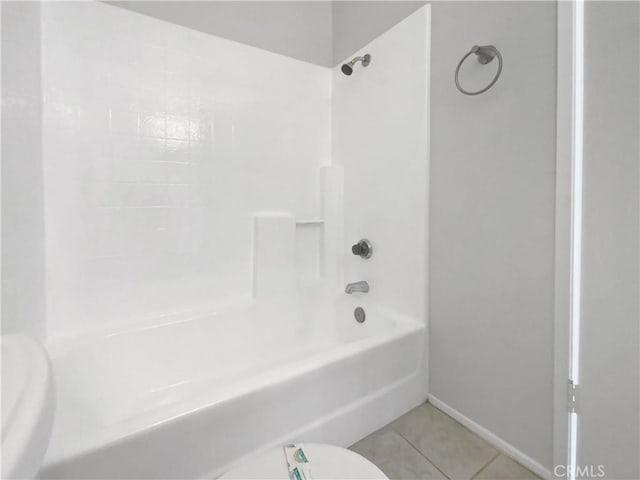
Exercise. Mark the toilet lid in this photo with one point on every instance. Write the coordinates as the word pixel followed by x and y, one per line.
pixel 327 462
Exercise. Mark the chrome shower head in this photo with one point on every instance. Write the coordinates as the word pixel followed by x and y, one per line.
pixel 347 68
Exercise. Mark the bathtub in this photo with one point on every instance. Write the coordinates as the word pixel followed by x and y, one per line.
pixel 188 395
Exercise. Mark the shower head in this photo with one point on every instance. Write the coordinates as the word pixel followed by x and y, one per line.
pixel 347 68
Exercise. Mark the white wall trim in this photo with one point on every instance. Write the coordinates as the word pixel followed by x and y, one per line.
pixel 427 249
pixel 493 439
pixel 562 288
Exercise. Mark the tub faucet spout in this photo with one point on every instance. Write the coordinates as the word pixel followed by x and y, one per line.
pixel 361 286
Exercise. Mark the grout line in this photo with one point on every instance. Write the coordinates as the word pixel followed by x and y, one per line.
pixel 418 450
pixel 485 466
pixel 499 450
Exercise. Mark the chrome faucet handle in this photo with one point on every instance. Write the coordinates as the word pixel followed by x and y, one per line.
pixel 363 248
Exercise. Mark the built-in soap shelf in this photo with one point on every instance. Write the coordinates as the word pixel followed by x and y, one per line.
pixel 309 221
pixel 288 251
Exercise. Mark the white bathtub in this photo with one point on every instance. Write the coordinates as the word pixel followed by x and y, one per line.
pixel 186 396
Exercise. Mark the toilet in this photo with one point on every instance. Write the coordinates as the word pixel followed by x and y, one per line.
pixel 327 462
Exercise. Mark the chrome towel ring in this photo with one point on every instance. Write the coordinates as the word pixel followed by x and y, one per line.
pixel 485 54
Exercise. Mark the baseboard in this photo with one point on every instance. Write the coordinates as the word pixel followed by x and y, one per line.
pixel 493 439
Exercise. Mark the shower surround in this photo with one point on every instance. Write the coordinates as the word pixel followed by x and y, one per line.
pixel 201 198
pixel 159 145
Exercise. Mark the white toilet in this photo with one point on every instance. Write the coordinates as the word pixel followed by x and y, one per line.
pixel 327 462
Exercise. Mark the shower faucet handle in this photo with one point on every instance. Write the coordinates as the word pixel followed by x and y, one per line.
pixel 363 248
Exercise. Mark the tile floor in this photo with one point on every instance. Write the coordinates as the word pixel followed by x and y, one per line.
pixel 428 444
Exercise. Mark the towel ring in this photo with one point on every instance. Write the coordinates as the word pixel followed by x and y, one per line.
pixel 485 54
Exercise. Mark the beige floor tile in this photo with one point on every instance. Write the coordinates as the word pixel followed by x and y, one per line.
pixel 452 448
pixel 504 468
pixel 395 456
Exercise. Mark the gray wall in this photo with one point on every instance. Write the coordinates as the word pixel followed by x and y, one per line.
pixel 609 406
pixel 492 221
pixel 321 32
pixel 356 23
pixel 298 29
pixel 23 301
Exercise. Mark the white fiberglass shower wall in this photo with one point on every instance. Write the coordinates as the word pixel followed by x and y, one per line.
pixel 159 144
pixel 381 138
